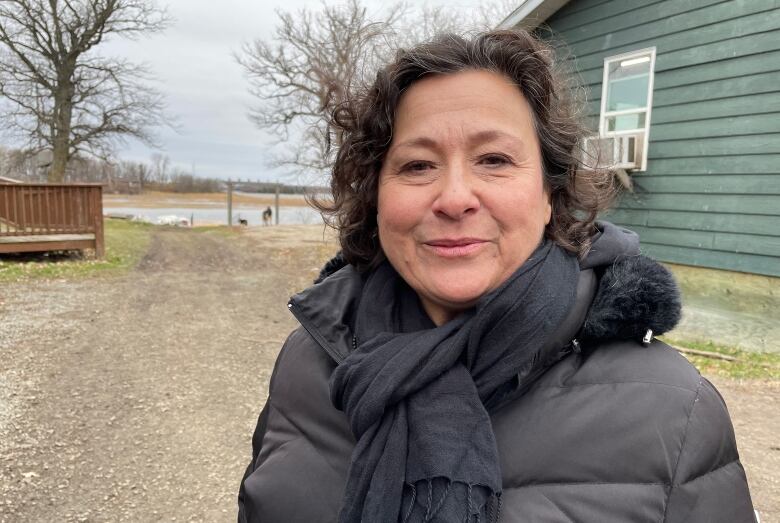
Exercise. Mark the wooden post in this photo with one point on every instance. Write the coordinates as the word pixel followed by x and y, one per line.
pixel 97 210
pixel 276 204
pixel 230 203
pixel 22 202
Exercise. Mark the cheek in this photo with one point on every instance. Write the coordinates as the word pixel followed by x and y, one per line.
pixel 399 208
pixel 391 219
pixel 385 209
pixel 523 205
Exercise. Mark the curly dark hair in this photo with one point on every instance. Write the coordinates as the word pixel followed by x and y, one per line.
pixel 363 129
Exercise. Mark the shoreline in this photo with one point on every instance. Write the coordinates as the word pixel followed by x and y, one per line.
pixel 158 200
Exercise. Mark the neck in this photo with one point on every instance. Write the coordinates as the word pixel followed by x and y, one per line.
pixel 438 313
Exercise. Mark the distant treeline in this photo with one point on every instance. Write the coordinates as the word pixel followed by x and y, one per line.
pixel 131 177
pixel 269 187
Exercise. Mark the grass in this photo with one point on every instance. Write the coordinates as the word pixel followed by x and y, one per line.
pixel 747 365
pixel 126 243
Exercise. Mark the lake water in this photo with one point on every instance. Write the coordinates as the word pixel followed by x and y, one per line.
pixel 293 215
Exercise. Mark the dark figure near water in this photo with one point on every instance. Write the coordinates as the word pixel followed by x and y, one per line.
pixel 267 215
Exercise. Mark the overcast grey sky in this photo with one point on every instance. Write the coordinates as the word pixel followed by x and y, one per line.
pixel 204 86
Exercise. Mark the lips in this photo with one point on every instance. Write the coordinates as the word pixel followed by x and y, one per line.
pixel 455 247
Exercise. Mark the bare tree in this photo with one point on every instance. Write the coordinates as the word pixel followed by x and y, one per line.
pixel 307 68
pixel 161 163
pixel 490 14
pixel 418 23
pixel 22 166
pixel 316 57
pixel 60 96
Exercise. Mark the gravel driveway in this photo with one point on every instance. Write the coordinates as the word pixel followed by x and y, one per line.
pixel 133 398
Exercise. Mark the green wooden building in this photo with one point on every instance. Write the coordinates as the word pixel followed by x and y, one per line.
pixel 685 94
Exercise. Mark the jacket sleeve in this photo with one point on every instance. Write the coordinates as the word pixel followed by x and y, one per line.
pixel 709 483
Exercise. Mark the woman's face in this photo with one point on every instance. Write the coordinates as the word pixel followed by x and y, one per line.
pixel 461 201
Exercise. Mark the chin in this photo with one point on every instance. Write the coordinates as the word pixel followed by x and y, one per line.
pixel 461 293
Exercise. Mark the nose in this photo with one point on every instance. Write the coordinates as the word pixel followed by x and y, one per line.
pixel 456 197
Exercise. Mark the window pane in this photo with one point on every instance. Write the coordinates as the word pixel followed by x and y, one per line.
pixel 628 82
pixel 626 122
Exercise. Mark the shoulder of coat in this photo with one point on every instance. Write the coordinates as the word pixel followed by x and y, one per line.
pixel 626 361
pixel 301 360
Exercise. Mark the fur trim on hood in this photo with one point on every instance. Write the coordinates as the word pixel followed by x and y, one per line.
pixel 634 294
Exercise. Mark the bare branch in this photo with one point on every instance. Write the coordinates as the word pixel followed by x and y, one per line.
pixel 56 94
pixel 316 57
pixel 307 70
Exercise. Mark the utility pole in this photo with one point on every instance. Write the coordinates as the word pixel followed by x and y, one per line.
pixel 230 202
pixel 276 203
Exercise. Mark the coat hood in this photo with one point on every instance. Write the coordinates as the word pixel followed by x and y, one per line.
pixel 635 293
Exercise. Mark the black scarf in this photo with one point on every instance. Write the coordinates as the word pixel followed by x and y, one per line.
pixel 415 394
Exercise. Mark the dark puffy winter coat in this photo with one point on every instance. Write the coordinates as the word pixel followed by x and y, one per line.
pixel 607 429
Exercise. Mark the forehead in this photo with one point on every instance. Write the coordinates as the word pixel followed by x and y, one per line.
pixel 476 99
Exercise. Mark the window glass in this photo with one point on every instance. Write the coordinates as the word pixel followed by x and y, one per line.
pixel 626 122
pixel 628 84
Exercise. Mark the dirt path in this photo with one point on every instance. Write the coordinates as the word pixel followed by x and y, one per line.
pixel 754 408
pixel 134 398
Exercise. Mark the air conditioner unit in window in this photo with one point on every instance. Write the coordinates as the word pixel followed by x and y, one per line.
pixel 623 151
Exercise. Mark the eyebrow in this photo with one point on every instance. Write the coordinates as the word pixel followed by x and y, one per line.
pixel 474 139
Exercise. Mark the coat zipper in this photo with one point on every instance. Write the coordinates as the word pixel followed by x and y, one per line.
pixel 314 333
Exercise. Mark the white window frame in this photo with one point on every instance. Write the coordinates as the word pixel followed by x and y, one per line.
pixel 603 114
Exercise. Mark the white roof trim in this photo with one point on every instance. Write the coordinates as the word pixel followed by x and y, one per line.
pixel 531 14
pixel 9 180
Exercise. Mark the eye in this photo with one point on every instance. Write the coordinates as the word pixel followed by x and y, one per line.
pixel 495 160
pixel 416 166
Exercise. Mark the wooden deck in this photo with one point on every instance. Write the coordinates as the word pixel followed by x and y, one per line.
pixel 46 217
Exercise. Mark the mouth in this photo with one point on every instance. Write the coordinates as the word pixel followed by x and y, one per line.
pixel 455 247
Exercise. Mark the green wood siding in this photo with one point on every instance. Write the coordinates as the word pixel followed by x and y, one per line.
pixel 711 192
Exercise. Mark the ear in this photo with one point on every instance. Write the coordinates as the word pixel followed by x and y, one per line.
pixel 548 209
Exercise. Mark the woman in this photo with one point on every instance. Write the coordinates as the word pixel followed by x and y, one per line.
pixel 482 351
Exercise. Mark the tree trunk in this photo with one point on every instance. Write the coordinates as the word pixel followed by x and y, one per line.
pixel 59 161
pixel 63 109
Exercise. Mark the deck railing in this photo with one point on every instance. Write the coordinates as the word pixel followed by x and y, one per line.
pixel 51 217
